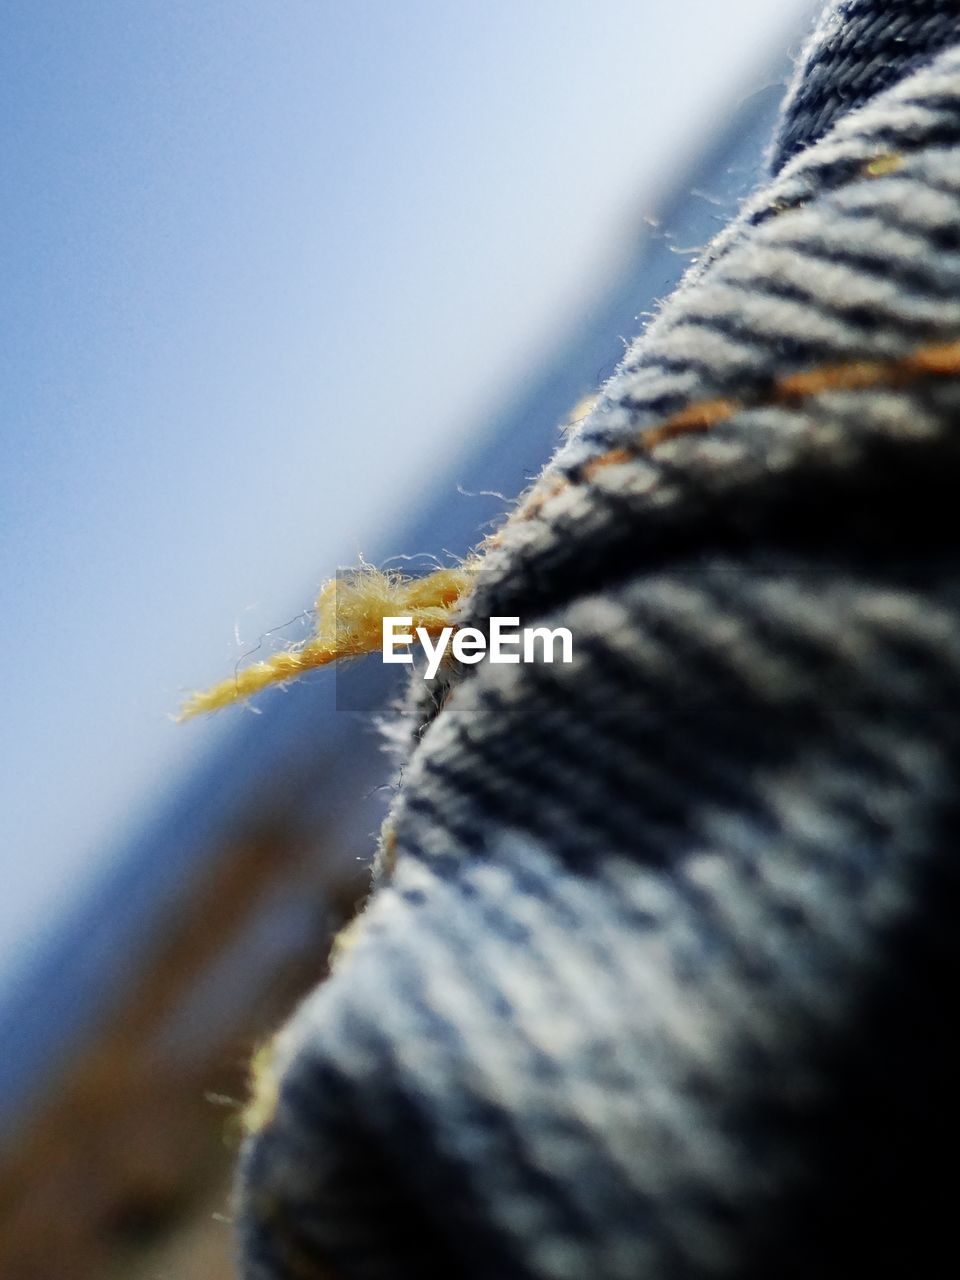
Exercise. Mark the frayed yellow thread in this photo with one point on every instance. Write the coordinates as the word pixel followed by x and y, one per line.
pixel 349 622
pixel 350 611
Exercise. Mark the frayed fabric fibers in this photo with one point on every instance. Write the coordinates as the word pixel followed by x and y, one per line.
pixel 658 974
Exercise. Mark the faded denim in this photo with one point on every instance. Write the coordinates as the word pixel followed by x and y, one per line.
pixel 659 975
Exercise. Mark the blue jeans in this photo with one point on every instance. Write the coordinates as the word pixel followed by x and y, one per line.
pixel 659 972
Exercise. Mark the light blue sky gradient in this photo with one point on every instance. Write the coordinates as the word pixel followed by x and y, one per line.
pixel 264 266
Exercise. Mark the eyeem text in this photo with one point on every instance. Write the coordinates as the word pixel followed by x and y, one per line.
pixel 505 642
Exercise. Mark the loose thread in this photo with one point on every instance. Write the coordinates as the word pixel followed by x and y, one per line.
pixel 350 610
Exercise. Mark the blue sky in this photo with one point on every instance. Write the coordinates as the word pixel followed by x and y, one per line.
pixel 265 265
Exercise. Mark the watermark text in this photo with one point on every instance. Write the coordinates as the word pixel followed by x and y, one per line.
pixel 506 641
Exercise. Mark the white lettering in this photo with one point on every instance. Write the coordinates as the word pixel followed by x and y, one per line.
pixel 433 651
pixel 548 639
pixel 391 640
pixel 498 640
pixel 469 645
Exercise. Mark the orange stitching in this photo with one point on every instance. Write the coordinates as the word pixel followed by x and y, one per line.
pixel 940 360
pixel 352 625
pixel 698 417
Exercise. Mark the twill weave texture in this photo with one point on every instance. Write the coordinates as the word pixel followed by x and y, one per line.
pixel 658 979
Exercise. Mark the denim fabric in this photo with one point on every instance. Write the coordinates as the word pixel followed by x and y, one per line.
pixel 860 48
pixel 658 979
